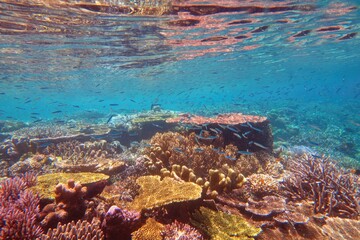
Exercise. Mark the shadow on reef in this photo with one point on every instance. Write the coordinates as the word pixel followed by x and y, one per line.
pixel 193 177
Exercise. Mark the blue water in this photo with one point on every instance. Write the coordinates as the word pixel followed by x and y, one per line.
pixel 62 63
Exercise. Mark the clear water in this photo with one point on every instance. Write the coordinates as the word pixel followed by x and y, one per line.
pixel 61 62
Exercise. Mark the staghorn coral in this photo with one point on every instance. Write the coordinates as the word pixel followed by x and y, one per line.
pixel 120 222
pixel 156 193
pixel 219 225
pixel 81 230
pixel 18 209
pixel 340 228
pixel 150 231
pixel 261 185
pixel 69 205
pixel 180 231
pixel 332 189
pixel 46 183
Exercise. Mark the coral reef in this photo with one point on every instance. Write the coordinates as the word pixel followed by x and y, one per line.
pixel 156 193
pixel 151 230
pixel 229 118
pixel 219 225
pixel 81 230
pixel 46 183
pixel 178 230
pixel 267 206
pixel 18 209
pixel 120 222
pixel 332 190
pixel 262 185
pixel 340 228
pixel 69 205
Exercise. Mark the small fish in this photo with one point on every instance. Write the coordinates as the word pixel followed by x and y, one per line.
pixel 199 150
pixel 231 158
pixel 177 149
pixel 254 128
pixel 38 120
pixel 109 119
pixel 156 125
pixel 232 128
pixel 58 111
pixel 20 108
pixel 28 101
pixel 76 106
pixel 132 100
pixel 258 144
pixel 134 144
pixel 35 113
pixel 237 135
pixel 245 152
pixel 206 138
pixel 114 104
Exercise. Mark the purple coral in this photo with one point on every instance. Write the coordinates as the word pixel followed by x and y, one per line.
pixel 18 209
pixel 332 189
pixel 120 222
pixel 180 231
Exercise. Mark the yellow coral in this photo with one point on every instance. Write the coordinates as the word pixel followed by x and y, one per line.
pixel 46 184
pixel 222 226
pixel 155 192
pixel 150 231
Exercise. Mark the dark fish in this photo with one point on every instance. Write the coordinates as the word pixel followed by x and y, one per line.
pixel 313 143
pixel 254 128
pixel 101 100
pixel 232 128
pixel 2 93
pixel 240 21
pixel 39 120
pixel 230 158
pixel 348 36
pixel 214 39
pixel 76 106
pixel 58 111
pixel 114 104
pixel 260 29
pixel 20 108
pixel 97 85
pixel 237 135
pixel 241 37
pixel 109 119
pixel 132 100
pixel 302 33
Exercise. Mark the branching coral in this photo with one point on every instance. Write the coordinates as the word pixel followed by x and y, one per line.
pixel 180 231
pixel 81 230
pixel 219 225
pixel 332 190
pixel 18 209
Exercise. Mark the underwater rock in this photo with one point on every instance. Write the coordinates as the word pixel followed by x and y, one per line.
pixel 120 222
pixel 220 225
pixel 151 230
pixel 156 193
pixel 46 183
pixel 340 228
pixel 81 230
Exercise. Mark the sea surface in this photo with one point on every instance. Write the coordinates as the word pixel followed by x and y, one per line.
pixel 295 62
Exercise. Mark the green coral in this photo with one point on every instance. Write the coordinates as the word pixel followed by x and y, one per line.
pixel 156 193
pixel 150 231
pixel 46 184
pixel 152 117
pixel 222 226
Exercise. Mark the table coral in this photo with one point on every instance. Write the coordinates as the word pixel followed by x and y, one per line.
pixel 150 231
pixel 46 183
pixel 219 225
pixel 156 193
